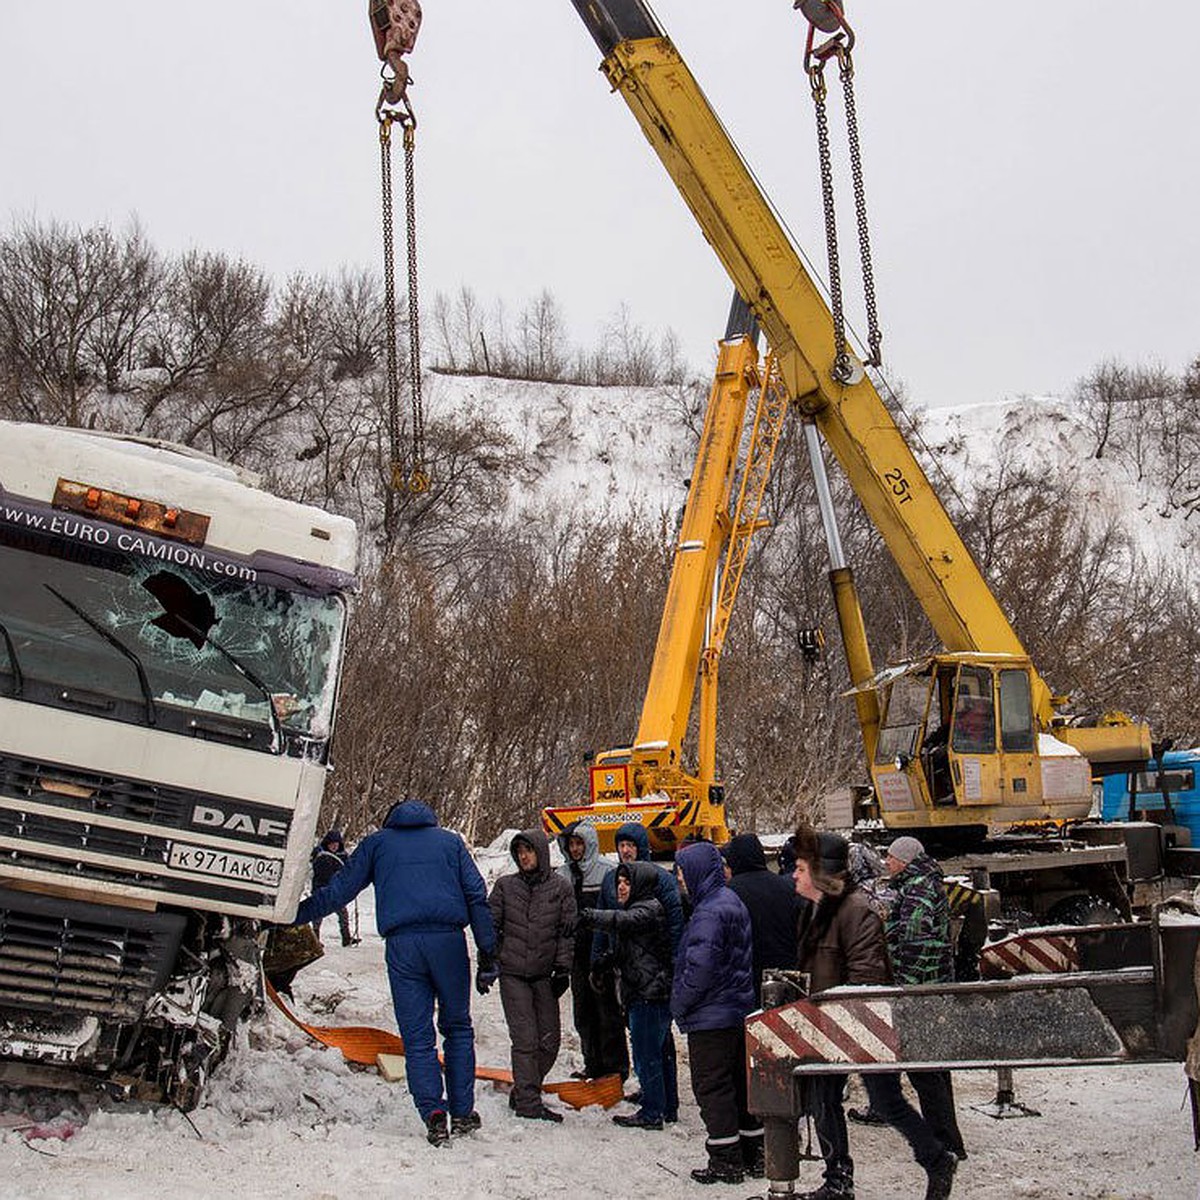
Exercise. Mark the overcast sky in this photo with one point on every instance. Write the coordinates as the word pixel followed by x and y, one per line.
pixel 1032 171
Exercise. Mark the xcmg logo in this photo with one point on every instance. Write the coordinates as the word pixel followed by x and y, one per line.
pixel 208 817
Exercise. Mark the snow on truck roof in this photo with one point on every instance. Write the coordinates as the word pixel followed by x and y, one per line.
pixel 245 519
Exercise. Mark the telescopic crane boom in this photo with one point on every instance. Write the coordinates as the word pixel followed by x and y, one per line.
pixel 969 738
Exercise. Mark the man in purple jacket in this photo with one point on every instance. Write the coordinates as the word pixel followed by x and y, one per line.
pixel 712 991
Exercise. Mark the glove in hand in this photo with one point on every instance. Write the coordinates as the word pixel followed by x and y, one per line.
pixel 559 982
pixel 486 973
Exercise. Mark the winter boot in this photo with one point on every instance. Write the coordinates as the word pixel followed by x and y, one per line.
pixel 637 1120
pixel 718 1172
pixel 461 1126
pixel 437 1129
pixel 542 1113
pixel 754 1161
pixel 838 1185
pixel 941 1177
pixel 829 1191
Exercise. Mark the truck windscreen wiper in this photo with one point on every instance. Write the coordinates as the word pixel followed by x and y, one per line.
pixel 18 675
pixel 117 644
pixel 241 668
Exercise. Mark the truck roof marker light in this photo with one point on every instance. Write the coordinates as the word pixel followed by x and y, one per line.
pixel 150 516
pixel 323 534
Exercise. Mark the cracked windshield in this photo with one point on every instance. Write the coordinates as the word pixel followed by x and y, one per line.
pixel 145 642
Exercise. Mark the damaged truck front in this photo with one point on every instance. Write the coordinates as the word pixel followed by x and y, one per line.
pixel 170 644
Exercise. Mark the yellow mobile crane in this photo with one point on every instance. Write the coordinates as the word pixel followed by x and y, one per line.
pixel 969 739
pixel 648 782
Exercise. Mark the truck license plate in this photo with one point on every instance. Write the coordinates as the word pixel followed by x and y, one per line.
pixel 206 861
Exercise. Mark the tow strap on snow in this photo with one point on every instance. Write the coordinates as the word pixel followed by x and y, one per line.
pixel 363 1044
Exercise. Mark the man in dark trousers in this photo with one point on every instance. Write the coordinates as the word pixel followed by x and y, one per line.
pixel 427 890
pixel 596 1009
pixel 842 941
pixel 711 994
pixel 533 910
pixel 918 937
pixel 328 858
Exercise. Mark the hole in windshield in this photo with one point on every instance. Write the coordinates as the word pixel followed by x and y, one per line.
pixel 186 612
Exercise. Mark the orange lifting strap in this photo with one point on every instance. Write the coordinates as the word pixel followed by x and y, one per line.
pixel 362 1044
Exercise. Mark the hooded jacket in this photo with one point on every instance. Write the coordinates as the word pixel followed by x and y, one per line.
pixel 771 901
pixel 640 937
pixel 918 925
pixel 425 879
pixel 586 877
pixel 713 986
pixel 326 861
pixel 534 915
pixel 666 889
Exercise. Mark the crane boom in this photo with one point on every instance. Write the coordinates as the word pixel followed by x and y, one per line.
pixel 645 68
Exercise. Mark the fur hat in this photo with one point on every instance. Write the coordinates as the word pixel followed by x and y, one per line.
pixel 905 849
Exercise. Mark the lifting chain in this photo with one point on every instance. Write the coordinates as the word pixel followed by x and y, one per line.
pixel 829 18
pixel 395 24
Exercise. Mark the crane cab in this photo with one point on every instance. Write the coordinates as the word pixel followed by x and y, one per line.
pixel 960 745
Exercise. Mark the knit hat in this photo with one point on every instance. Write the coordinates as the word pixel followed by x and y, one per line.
pixel 905 849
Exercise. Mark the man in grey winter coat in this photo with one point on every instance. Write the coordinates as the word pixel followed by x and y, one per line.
pixel 533 910
pixel 595 1007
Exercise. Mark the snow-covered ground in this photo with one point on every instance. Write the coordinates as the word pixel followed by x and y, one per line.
pixel 284 1117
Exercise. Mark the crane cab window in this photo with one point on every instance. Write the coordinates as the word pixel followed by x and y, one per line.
pixel 1016 712
pixel 974 729
pixel 904 715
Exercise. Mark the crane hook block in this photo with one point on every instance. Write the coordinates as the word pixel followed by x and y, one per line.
pixel 826 17
pixel 395 24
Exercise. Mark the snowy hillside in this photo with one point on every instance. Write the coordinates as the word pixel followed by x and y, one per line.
pixel 614 449
pixel 600 450
pixel 1045 433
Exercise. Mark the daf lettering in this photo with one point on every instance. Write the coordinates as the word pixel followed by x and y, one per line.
pixel 214 818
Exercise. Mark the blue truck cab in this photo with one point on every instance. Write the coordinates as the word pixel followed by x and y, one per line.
pixel 1140 793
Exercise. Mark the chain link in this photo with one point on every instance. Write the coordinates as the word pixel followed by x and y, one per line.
pixel 842 368
pixel 415 479
pixel 419 479
pixel 874 336
pixel 392 373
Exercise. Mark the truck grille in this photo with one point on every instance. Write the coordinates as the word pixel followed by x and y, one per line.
pixel 62 955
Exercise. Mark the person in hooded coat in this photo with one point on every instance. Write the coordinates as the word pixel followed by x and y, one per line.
pixel 712 990
pixel 427 891
pixel 772 903
pixel 328 858
pixel 633 845
pixel 596 1009
pixel 640 940
pixel 533 910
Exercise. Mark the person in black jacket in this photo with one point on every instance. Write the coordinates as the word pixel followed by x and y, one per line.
pixel 640 940
pixel 328 858
pixel 772 902
pixel 533 910
pixel 595 1007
